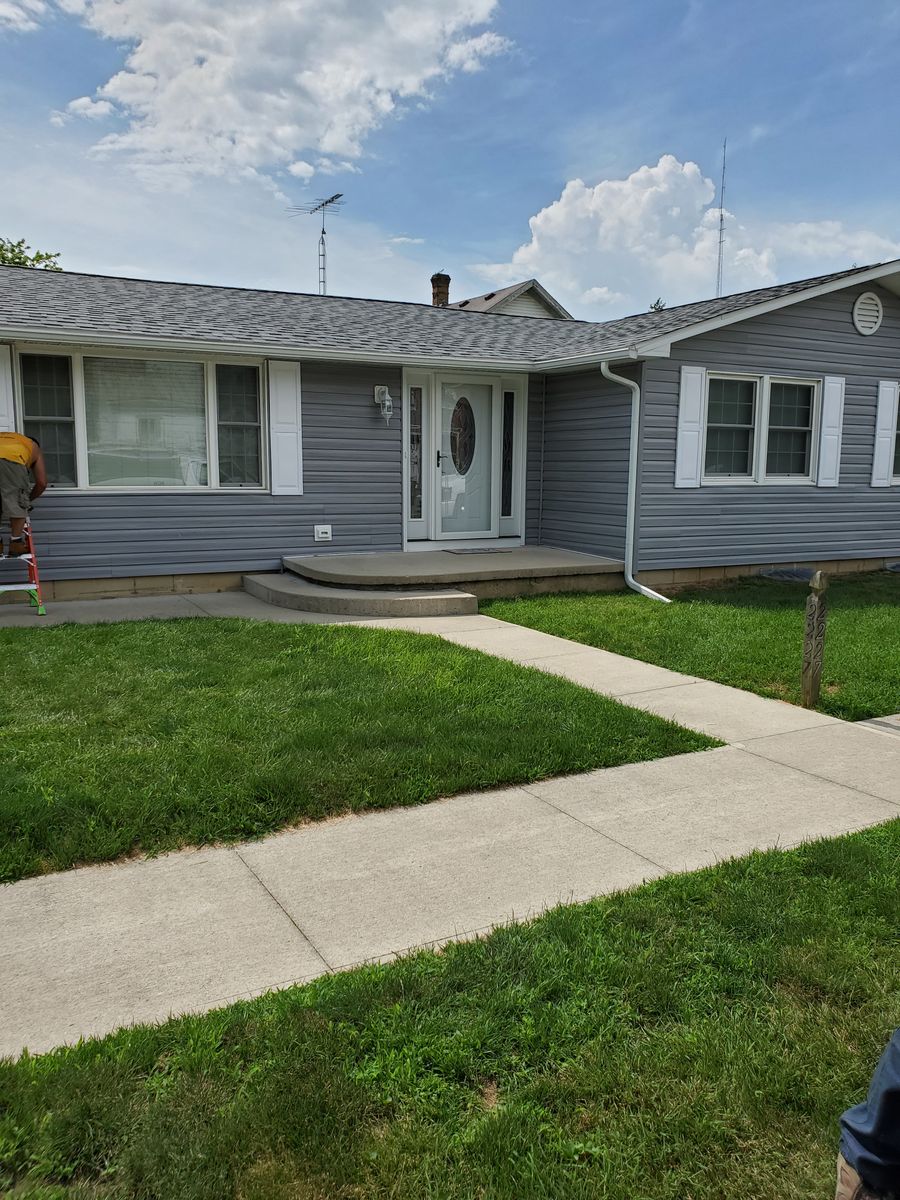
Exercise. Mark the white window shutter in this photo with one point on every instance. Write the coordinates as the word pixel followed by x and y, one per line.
pixel 286 434
pixel 7 405
pixel 885 433
pixel 689 449
pixel 831 427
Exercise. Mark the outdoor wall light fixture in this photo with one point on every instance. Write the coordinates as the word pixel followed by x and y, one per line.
pixel 384 402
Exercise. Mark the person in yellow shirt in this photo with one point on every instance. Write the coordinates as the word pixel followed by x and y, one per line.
pixel 23 477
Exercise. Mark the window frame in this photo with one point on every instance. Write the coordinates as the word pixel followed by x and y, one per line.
pixel 758 475
pixel 77 355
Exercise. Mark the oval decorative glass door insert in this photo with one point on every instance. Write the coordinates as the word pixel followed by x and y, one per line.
pixel 462 436
pixel 466 459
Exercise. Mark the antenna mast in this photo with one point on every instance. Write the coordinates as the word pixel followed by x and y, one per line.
pixel 323 206
pixel 721 262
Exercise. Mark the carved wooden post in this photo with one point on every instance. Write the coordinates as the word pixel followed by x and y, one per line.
pixel 814 640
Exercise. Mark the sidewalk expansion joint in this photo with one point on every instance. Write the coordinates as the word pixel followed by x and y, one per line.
pixel 315 949
pixel 748 749
pixel 594 829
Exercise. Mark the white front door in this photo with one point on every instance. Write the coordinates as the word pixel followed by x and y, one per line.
pixel 464 457
pixel 467 459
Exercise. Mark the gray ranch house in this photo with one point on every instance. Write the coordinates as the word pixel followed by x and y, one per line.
pixel 197 435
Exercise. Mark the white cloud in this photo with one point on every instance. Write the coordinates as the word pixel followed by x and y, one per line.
pixel 21 15
pixel 401 239
pixel 302 170
pixel 94 110
pixel 215 86
pixel 617 245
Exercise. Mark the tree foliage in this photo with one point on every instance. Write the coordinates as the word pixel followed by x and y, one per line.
pixel 658 304
pixel 20 254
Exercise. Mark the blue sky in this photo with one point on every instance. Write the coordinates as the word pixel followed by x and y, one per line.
pixel 449 126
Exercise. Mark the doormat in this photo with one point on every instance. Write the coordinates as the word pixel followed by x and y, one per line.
pixel 483 550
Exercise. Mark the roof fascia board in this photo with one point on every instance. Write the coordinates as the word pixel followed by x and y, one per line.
pixel 662 345
pixel 549 300
pixel 63 337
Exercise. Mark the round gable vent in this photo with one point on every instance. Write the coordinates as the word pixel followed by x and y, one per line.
pixel 868 313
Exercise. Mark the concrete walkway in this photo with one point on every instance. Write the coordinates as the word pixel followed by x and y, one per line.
pixel 85 951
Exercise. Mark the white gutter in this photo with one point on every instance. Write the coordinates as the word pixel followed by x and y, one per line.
pixel 631 509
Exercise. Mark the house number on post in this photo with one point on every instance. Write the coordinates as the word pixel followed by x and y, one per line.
pixel 814 640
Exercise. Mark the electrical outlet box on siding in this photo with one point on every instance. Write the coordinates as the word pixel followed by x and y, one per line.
pixel 322 533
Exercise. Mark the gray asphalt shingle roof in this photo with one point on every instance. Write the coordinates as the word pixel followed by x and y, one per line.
pixel 83 305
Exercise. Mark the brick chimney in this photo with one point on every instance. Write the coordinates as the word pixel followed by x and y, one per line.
pixel 440 290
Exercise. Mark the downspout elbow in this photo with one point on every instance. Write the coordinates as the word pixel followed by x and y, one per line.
pixel 631 507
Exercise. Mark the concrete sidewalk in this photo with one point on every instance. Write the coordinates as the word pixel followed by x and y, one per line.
pixel 85 951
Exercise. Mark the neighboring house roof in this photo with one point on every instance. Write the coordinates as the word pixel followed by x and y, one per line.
pixel 505 299
pixel 68 307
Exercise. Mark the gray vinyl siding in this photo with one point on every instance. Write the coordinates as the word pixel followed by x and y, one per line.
pixel 351 477
pixel 585 464
pixel 720 525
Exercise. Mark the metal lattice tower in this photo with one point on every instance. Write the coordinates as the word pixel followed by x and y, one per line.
pixel 720 266
pixel 323 206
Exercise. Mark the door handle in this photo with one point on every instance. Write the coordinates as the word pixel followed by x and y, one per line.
pixel 439 457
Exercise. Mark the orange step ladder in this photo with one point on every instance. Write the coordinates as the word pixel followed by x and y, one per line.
pixel 33 585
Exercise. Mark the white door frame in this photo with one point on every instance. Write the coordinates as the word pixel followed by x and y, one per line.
pixel 424 533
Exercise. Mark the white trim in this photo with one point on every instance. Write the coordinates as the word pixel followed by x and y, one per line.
pixel 417 528
pixel 226 351
pixel 759 477
pixel 426 533
pixel 208 362
pixel 477 544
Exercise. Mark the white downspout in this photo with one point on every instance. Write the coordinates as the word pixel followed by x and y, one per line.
pixel 631 509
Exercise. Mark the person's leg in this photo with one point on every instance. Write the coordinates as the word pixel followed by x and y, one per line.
pixel 17 527
pixel 870 1132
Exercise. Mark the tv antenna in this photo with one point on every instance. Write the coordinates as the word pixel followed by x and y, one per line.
pixel 721 262
pixel 322 206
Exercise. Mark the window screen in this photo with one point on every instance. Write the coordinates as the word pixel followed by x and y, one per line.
pixel 146 423
pixel 790 428
pixel 730 420
pixel 506 462
pixel 240 437
pixel 48 413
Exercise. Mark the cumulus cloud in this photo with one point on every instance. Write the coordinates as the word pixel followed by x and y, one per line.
pixel 613 247
pixel 215 86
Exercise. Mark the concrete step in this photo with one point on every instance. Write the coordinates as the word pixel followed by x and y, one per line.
pixel 305 595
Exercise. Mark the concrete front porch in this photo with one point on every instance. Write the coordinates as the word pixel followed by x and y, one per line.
pixel 430 582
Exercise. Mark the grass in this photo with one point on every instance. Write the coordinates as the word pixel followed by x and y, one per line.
pixel 748 634
pixel 150 735
pixel 694 1038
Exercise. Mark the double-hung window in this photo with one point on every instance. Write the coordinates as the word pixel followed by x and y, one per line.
pixel 49 413
pixel 760 429
pixel 122 421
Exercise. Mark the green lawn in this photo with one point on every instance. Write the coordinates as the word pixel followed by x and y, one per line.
pixel 155 734
pixel 695 1038
pixel 748 634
